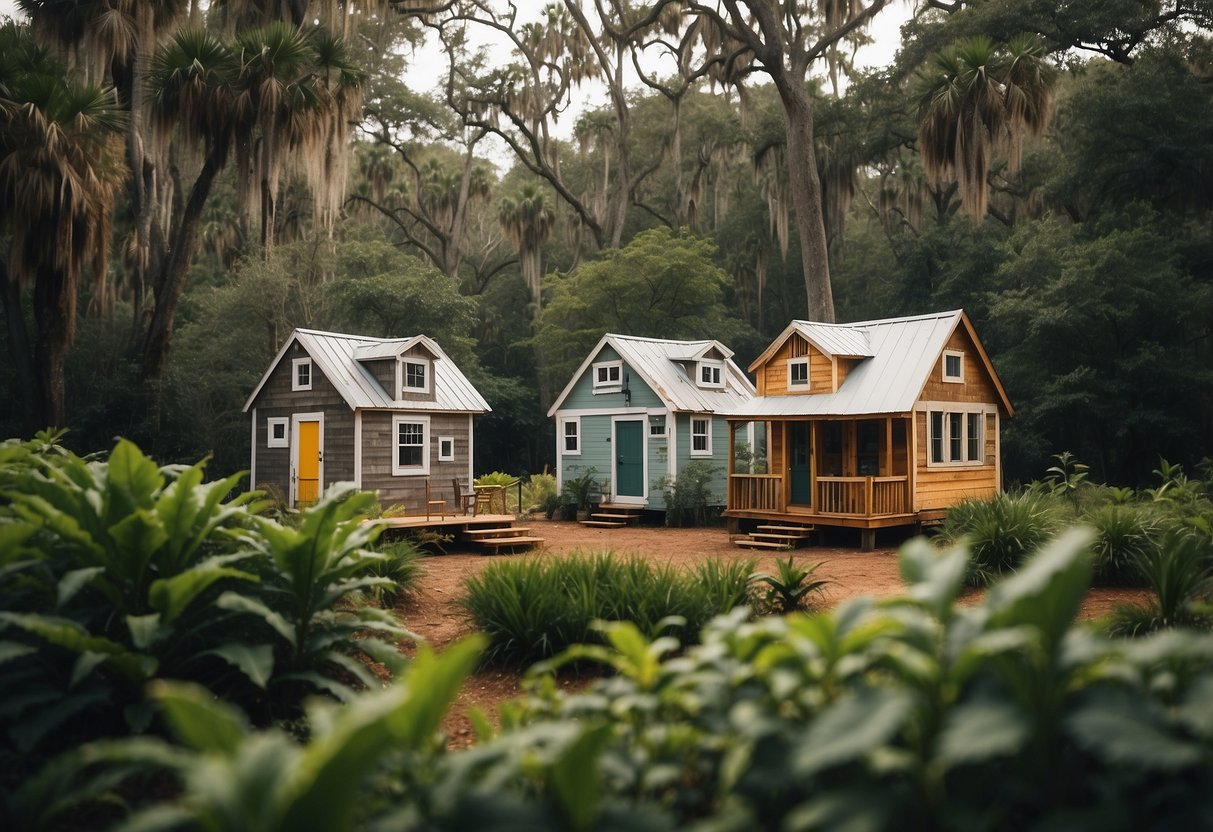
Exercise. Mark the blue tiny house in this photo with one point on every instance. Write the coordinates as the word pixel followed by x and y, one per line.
pixel 640 409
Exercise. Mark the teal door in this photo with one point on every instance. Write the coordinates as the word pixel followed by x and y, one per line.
pixel 801 465
pixel 629 459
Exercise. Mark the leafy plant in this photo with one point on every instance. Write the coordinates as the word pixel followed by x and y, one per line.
pixel 1067 476
pixel 791 590
pixel 577 490
pixel 508 482
pixel 1001 532
pixel 400 566
pixel 540 494
pixel 1180 571
pixel 689 497
pixel 1124 534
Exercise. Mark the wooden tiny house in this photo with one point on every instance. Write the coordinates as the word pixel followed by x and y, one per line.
pixel 391 415
pixel 867 425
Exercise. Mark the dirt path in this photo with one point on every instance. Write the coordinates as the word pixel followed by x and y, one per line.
pixel 434 612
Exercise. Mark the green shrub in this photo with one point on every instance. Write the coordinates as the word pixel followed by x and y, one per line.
pixel 1123 535
pixel 539 494
pixel 401 566
pixel 1001 531
pixel 533 608
pixel 508 482
pixel 794 586
pixel 689 499
pixel 1179 569
pixel 578 490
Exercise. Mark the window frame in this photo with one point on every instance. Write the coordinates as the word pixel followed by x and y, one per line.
pixel 296 364
pixel 715 369
pixel 402 375
pixel 959 356
pixel 564 437
pixel 807 384
pixel 946 449
pixel 423 469
pixel 449 456
pixel 608 386
pixel 283 422
pixel 657 426
pixel 707 435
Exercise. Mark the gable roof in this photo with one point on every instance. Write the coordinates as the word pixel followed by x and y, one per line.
pixel 659 363
pixel 339 357
pixel 901 353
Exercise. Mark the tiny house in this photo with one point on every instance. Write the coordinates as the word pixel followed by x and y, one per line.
pixel 640 409
pixel 867 425
pixel 391 415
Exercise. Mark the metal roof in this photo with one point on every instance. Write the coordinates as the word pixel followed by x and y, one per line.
pixel 339 357
pixel 843 341
pixel 903 353
pixel 660 363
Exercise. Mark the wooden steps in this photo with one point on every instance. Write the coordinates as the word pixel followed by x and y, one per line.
pixel 614 516
pixel 497 538
pixel 497 531
pixel 499 543
pixel 776 536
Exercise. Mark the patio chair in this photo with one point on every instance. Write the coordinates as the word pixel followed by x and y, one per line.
pixel 470 500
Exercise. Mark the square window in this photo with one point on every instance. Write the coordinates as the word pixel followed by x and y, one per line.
pixel 410 440
pixel 446 449
pixel 608 376
pixel 953 366
pixel 798 373
pixel 656 426
pixel 276 432
pixel 710 374
pixel 415 376
pixel 301 374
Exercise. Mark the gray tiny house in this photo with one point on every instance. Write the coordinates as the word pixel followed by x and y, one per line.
pixel 640 409
pixel 388 414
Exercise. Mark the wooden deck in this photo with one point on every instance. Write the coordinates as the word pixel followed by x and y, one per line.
pixel 453 522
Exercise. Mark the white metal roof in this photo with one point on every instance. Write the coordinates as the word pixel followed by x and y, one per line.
pixel 660 364
pixel 339 358
pixel 836 340
pixel 903 353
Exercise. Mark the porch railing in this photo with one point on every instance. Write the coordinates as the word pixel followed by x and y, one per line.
pixel 863 496
pixel 756 492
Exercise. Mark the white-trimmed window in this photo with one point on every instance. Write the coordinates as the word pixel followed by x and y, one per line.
pixel 410 445
pixel 657 426
pixel 711 373
pixel 414 375
pixel 446 449
pixel 301 374
pixel 955 437
pixel 701 436
pixel 798 374
pixel 570 436
pixel 608 376
pixel 276 435
pixel 954 366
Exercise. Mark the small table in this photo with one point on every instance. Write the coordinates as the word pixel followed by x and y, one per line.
pixel 491 493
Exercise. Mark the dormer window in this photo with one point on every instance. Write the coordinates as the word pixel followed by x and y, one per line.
pixel 301 374
pixel 414 375
pixel 710 373
pixel 954 366
pixel 798 374
pixel 608 376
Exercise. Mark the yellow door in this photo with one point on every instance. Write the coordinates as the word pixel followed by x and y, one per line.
pixel 307 490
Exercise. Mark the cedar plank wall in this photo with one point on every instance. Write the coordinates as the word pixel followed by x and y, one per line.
pixel 773 376
pixel 277 399
pixel 384 371
pixel 377 449
pixel 941 487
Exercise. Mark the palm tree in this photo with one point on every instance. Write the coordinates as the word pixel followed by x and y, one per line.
pixel 61 167
pixel 979 101
pixel 527 219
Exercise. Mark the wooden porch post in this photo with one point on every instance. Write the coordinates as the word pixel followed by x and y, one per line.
pixel 888 446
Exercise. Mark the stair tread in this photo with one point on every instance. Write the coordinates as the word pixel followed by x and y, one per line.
pixel 509 541
pixel 626 507
pixel 804 529
pixel 773 536
pixel 760 544
pixel 606 524
pixel 607 515
pixel 514 530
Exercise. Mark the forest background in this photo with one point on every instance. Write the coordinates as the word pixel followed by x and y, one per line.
pixel 182 183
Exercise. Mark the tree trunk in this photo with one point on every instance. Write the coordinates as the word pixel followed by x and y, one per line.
pixel 805 185
pixel 177 266
pixel 28 390
pixel 55 315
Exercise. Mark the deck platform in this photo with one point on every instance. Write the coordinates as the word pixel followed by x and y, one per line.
pixel 452 522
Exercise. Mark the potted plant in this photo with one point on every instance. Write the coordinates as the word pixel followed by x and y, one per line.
pixel 577 490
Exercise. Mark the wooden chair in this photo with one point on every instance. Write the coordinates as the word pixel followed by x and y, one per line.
pixel 470 500
pixel 433 505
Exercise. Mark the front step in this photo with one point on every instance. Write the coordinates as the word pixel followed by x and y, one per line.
pixel 614 516
pixel 749 542
pixel 479 535
pixel 798 531
pixel 603 524
pixel 499 543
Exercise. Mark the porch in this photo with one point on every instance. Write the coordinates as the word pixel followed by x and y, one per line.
pixel 853 473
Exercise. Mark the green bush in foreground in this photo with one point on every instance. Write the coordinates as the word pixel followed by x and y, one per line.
pixel 533 608
pixel 903 713
pixel 1002 531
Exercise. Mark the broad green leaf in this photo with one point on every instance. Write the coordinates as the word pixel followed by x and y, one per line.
pixel 144 629
pixel 35 724
pixel 574 779
pixel 855 809
pixel 136 537
pixel 852 726
pixel 254 661
pixel 242 603
pixel 934 578
pixel 85 664
pixel 171 596
pixel 1047 592
pixel 198 719
pixel 13 534
pixel 134 477
pixel 74 581
pixel 977 731
pixel 10 650
pixel 1121 731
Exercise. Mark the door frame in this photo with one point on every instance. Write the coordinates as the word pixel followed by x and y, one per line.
pixel 643 421
pixel 296 418
pixel 810 439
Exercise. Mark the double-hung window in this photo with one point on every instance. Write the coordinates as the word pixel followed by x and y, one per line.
pixel 301 374
pixel 410 445
pixel 570 436
pixel 701 436
pixel 955 437
pixel 798 374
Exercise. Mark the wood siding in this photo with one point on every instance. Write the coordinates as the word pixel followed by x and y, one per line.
pixel 772 377
pixel 378 446
pixel 277 400
pixel 977 387
pixel 942 486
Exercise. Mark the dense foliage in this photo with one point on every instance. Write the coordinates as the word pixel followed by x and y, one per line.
pixel 909 712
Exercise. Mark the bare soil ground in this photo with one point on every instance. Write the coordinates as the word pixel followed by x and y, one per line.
pixel 435 614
